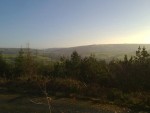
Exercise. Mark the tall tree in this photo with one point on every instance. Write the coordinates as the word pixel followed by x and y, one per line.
pixel 29 63
pixel 20 63
pixel 2 65
pixel 73 65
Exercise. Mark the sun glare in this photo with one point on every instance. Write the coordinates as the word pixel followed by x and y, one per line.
pixel 147 40
pixel 138 37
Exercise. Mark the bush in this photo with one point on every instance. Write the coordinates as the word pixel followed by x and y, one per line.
pixel 65 85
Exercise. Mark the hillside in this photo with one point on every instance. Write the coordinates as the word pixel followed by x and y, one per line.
pixel 101 51
pixel 104 51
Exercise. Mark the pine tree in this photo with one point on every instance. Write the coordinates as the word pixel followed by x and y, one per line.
pixel 20 63
pixel 2 65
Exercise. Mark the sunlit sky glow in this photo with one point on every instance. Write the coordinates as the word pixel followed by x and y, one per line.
pixel 67 23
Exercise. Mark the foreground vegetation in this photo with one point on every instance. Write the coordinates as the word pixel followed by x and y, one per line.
pixel 121 82
pixel 16 103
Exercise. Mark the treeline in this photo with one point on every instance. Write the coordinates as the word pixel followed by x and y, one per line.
pixel 128 75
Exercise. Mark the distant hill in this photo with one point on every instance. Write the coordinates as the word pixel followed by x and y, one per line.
pixel 101 51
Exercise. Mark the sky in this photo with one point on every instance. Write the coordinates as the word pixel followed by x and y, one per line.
pixel 68 23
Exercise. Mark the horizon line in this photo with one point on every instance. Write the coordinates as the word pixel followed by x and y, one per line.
pixel 81 45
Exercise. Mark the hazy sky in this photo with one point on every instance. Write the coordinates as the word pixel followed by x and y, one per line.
pixel 65 23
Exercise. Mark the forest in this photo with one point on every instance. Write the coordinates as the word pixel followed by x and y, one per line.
pixel 122 82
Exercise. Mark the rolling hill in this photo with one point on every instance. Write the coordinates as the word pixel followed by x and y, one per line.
pixel 101 51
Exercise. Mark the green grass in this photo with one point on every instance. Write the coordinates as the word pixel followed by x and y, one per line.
pixel 11 58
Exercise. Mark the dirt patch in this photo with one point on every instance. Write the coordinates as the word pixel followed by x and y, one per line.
pixel 23 104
